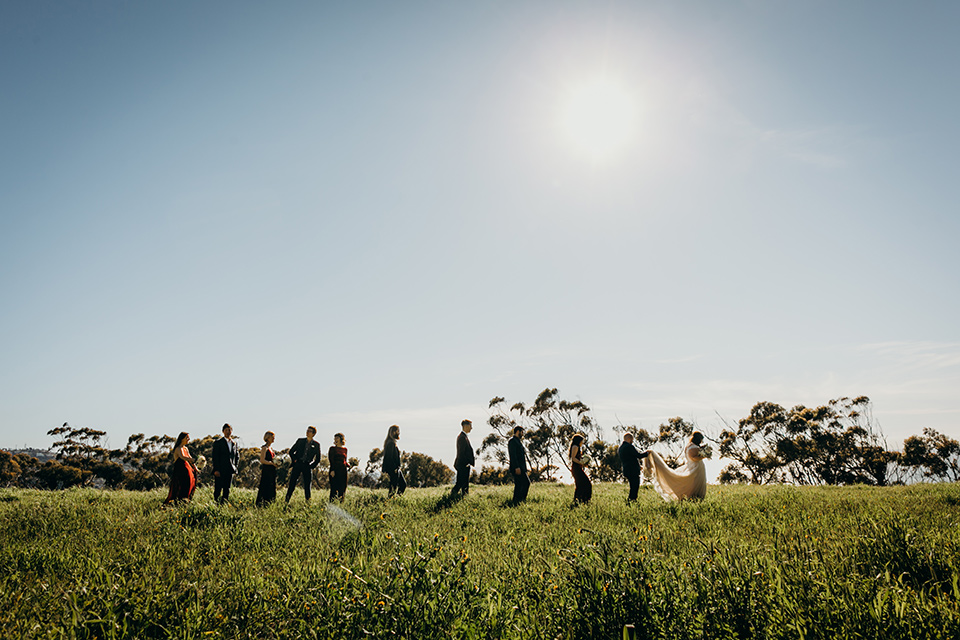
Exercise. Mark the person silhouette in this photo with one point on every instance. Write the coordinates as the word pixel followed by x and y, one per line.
pixel 630 464
pixel 518 466
pixel 304 458
pixel 583 489
pixel 337 456
pixel 391 462
pixel 226 458
pixel 267 489
pixel 464 460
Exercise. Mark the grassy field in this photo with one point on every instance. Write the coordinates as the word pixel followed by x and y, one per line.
pixel 747 562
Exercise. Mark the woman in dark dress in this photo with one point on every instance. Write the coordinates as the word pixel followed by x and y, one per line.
pixel 391 462
pixel 583 488
pixel 182 477
pixel 267 491
pixel 338 468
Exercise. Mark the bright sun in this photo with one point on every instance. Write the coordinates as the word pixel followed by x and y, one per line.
pixel 599 118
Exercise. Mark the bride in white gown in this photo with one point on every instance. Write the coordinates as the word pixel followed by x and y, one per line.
pixel 689 482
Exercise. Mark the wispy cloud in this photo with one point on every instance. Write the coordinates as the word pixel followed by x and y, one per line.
pixel 917 355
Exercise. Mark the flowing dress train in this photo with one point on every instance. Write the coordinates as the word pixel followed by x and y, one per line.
pixel 689 482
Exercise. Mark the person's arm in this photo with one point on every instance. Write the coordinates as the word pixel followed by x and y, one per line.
pixel 263 456
pixel 185 454
pixel 296 451
pixel 216 458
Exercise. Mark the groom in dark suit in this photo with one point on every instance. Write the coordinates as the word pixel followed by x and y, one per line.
pixel 464 460
pixel 630 464
pixel 226 457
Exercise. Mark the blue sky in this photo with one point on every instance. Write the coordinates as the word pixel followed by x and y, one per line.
pixel 354 215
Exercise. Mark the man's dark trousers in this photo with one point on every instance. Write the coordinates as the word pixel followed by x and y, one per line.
pixel 463 481
pixel 296 472
pixel 634 480
pixel 221 486
pixel 521 485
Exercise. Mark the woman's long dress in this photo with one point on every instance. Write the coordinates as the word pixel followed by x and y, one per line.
pixel 338 465
pixel 689 482
pixel 391 467
pixel 267 491
pixel 583 489
pixel 182 481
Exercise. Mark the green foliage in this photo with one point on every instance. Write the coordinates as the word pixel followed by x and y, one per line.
pixel 423 471
pixel 933 454
pixel 9 467
pixel 831 444
pixel 549 425
pixel 746 562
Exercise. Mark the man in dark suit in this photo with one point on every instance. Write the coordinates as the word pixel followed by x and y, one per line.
pixel 630 464
pixel 304 458
pixel 464 460
pixel 518 466
pixel 226 457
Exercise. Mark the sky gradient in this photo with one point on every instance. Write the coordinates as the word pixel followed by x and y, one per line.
pixel 355 215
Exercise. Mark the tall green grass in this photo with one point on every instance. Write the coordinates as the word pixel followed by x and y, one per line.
pixel 747 562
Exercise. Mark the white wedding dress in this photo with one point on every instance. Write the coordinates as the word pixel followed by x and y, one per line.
pixel 689 482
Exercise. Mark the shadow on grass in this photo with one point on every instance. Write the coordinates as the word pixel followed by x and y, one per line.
pixel 446 501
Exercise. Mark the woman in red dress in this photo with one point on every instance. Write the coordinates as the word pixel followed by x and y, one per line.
pixel 583 488
pixel 182 478
pixel 338 468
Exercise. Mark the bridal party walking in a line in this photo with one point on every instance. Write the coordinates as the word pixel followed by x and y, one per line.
pixel 688 482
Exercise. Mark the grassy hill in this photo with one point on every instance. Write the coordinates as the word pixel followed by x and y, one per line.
pixel 747 562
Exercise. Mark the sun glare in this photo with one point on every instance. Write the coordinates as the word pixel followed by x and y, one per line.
pixel 599 118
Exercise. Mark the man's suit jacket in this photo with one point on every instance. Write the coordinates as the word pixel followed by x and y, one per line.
pixel 629 460
pixel 305 453
pixel 226 456
pixel 518 457
pixel 464 452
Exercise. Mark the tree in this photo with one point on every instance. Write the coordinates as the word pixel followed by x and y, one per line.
pixel 832 444
pixel 54 475
pixel 77 444
pixel 9 467
pixel 491 475
pixel 606 465
pixel 248 468
pixel 424 471
pixel 932 455
pixel 147 461
pixel 549 424
pixel 81 448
